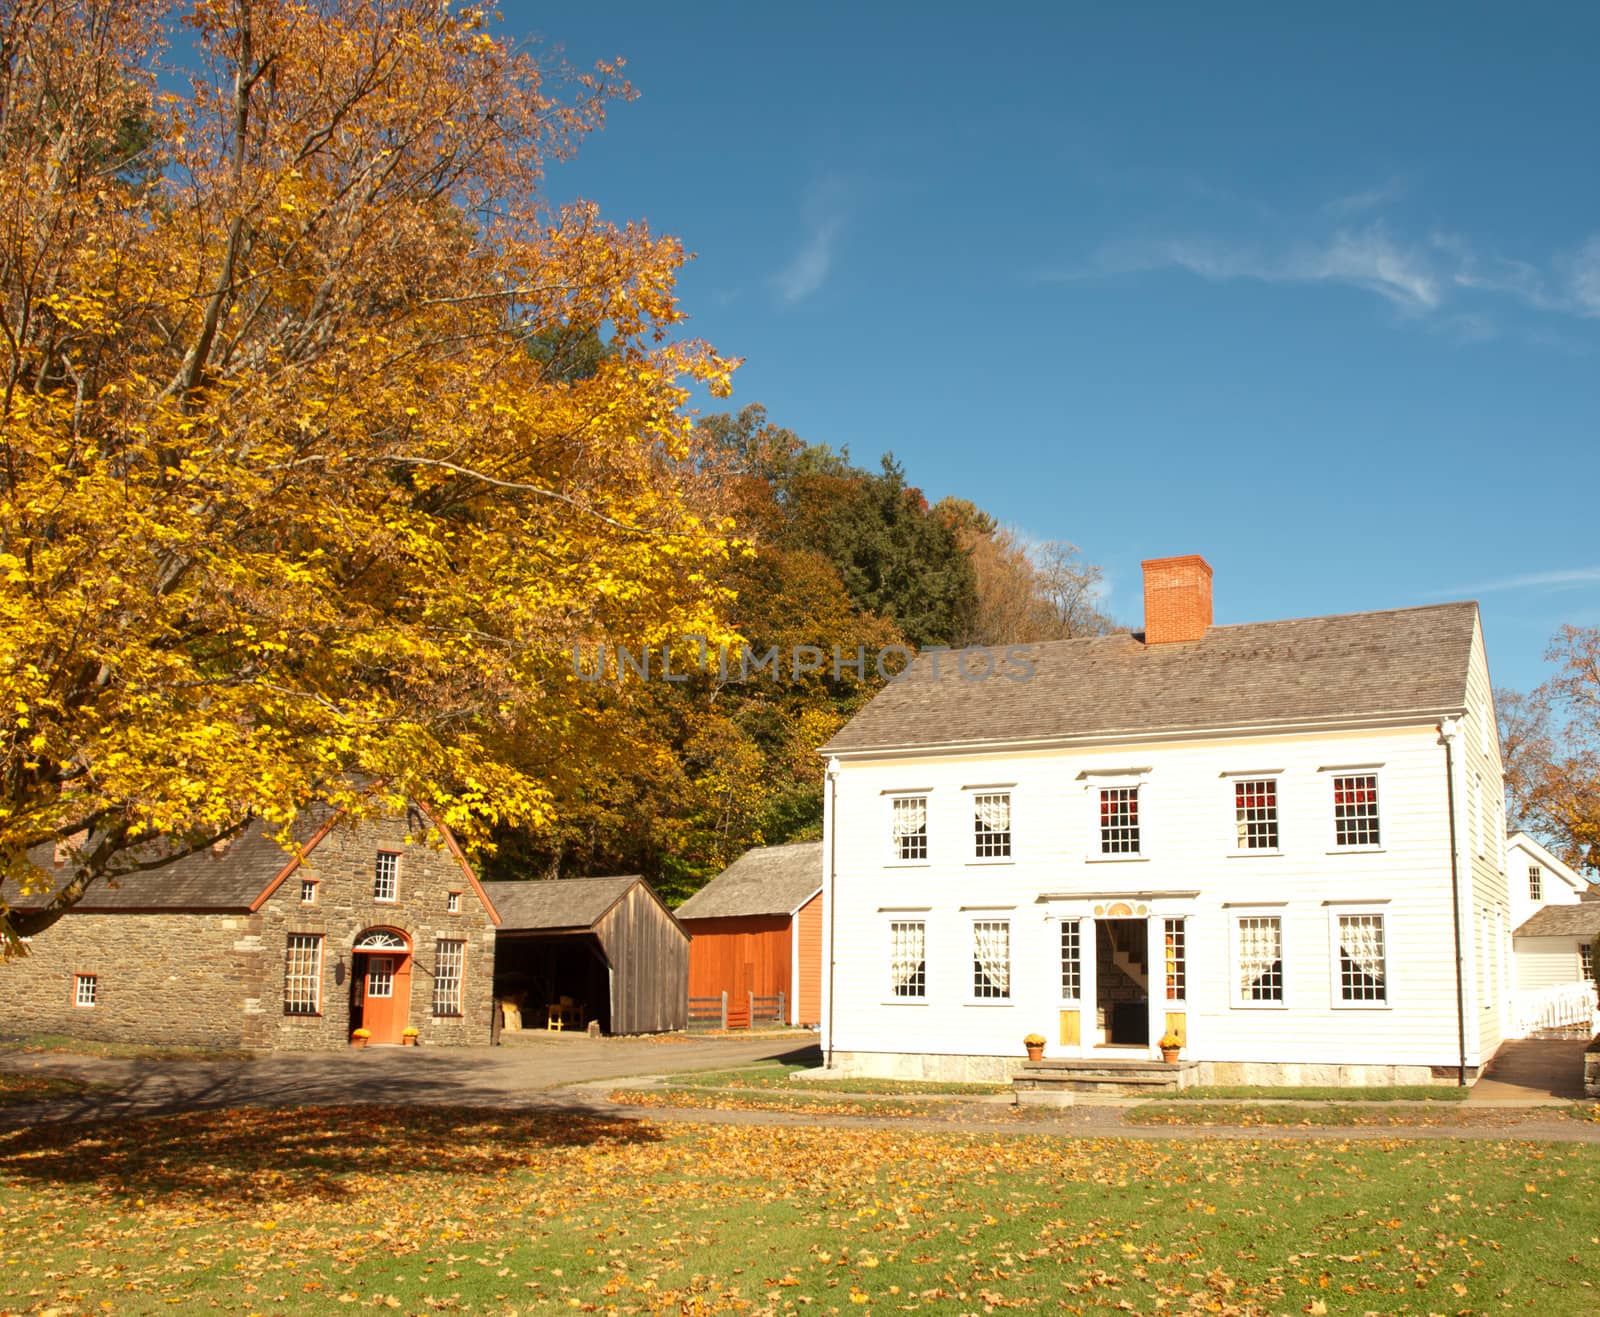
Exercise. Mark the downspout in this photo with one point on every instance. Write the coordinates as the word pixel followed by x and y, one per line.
pixel 1449 729
pixel 833 851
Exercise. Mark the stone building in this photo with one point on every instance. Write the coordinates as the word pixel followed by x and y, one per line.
pixel 245 945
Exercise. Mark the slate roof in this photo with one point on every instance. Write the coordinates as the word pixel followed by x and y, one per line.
pixel 770 880
pixel 226 879
pixel 1355 666
pixel 1580 920
pixel 557 903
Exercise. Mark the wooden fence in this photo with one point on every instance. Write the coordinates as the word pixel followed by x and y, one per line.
pixel 712 1012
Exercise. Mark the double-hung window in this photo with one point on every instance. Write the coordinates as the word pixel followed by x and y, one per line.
pixel 1071 961
pixel 1177 959
pixel 1586 960
pixel 302 974
pixel 1119 821
pixel 991 825
pixel 1355 810
pixel 1258 960
pixel 85 989
pixel 909 828
pixel 1363 966
pixel 1535 883
pixel 386 877
pixel 991 960
pixel 449 954
pixel 1255 813
pixel 908 959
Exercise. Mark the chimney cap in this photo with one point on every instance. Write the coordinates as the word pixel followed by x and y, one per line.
pixel 1182 559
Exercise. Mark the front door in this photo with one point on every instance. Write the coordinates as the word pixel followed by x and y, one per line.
pixel 383 993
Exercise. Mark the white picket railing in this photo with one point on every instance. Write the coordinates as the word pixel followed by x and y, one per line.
pixel 1553 1008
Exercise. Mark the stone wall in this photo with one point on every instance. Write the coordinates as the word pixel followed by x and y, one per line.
pixel 160 978
pixel 343 865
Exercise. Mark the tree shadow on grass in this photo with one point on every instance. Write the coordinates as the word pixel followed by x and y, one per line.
pixel 249 1155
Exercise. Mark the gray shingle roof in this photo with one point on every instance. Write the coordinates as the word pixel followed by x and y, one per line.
pixel 226 879
pixel 770 880
pixel 1260 673
pixel 1580 920
pixel 558 903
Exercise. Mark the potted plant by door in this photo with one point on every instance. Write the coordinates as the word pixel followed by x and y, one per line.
pixel 409 1036
pixel 1034 1042
pixel 1170 1046
pixel 358 1037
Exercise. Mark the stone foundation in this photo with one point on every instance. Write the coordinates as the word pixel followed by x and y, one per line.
pixel 1591 1069
pixel 941 1069
pixel 946 1069
pixel 1293 1074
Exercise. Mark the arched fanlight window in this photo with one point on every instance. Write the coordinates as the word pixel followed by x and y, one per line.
pixel 381 939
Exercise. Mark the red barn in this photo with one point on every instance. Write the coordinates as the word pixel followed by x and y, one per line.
pixel 756 928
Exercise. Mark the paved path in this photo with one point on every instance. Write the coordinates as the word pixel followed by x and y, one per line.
pixel 519 1075
pixel 1532 1072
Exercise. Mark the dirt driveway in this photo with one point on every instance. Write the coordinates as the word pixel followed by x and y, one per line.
pixel 513 1076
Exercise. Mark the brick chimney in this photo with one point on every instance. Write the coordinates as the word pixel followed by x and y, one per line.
pixel 1177 599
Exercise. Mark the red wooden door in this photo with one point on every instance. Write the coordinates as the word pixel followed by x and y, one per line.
pixel 385 994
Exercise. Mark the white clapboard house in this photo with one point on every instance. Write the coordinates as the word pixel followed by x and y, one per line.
pixel 1280 842
pixel 1555 916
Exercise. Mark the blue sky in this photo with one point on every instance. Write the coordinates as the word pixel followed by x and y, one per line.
pixel 1315 295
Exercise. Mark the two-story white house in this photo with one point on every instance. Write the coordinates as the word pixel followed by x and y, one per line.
pixel 1280 842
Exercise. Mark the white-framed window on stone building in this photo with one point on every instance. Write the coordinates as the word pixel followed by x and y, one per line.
pixel 1535 883
pixel 1071 961
pixel 452 903
pixel 991 825
pixel 450 956
pixel 1355 810
pixel 991 960
pixel 909 815
pixel 308 891
pixel 908 959
pixel 85 989
pixel 1361 964
pixel 1119 821
pixel 386 877
pixel 302 974
pixel 1258 960
pixel 1175 937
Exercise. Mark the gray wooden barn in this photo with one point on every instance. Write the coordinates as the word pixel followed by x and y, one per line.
pixel 576 950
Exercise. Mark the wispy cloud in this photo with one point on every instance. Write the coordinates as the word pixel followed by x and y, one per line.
pixel 1364 258
pixel 826 211
pixel 1563 579
pixel 1459 287
pixel 1365 200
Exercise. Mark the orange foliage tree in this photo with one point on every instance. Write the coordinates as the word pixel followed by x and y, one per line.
pixel 294 495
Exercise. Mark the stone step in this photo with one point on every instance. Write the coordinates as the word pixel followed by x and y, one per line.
pixel 1127 1077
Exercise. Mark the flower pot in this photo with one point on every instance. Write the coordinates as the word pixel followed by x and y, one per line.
pixel 1035 1053
pixel 409 1040
pixel 358 1042
pixel 1170 1055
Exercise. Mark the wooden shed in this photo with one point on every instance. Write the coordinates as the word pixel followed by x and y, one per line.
pixel 756 929
pixel 575 950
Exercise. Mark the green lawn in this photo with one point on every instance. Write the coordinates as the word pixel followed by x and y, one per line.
pixel 1328 1093
pixel 779 1075
pixel 1333 1113
pixel 425 1210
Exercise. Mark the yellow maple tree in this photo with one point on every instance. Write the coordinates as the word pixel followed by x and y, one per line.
pixel 295 494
